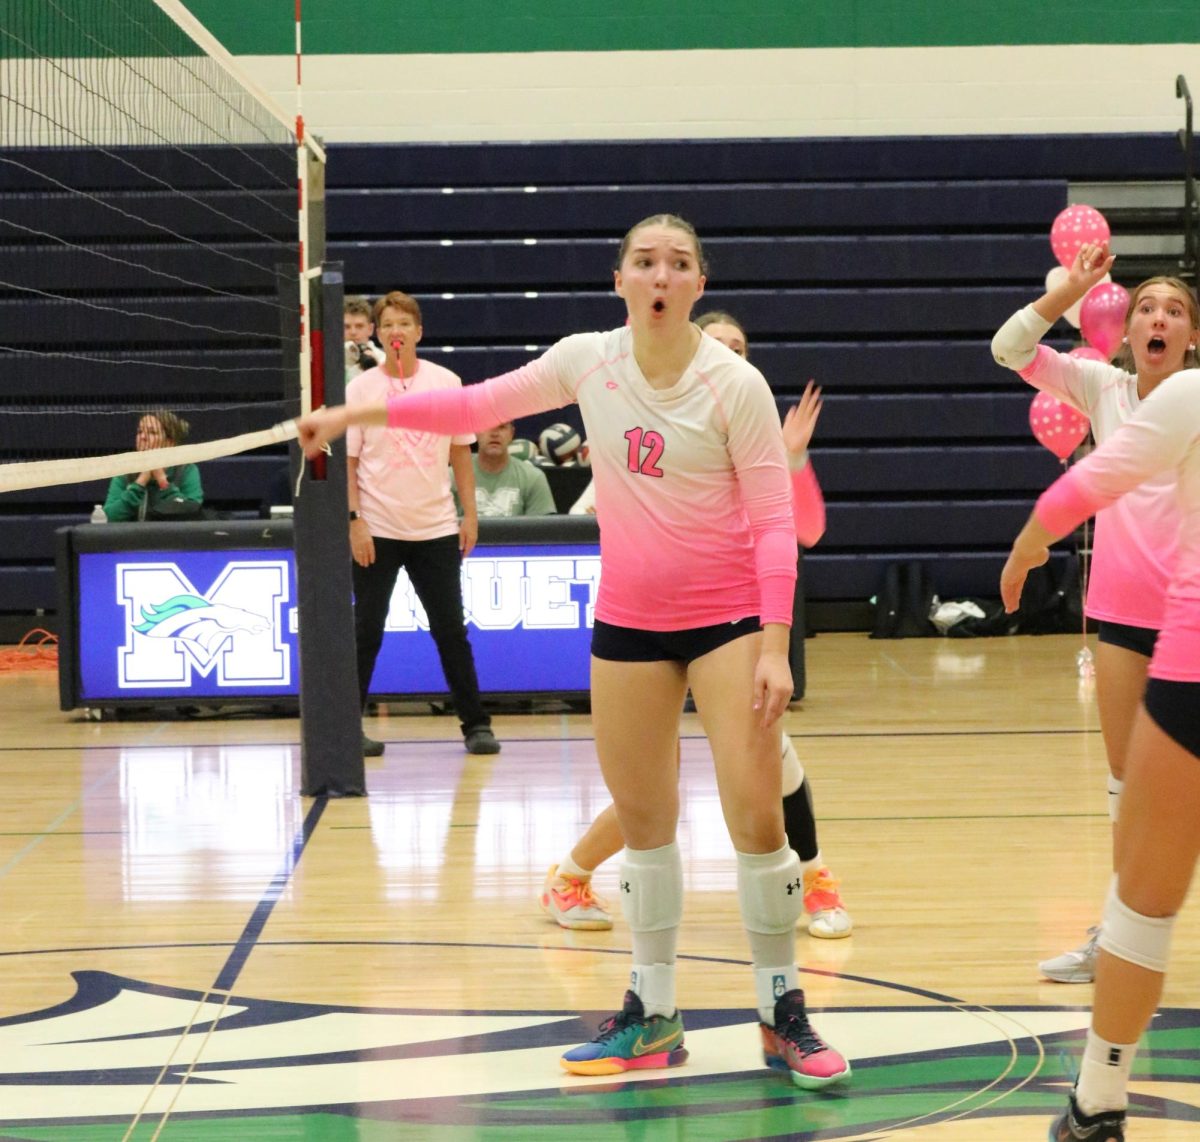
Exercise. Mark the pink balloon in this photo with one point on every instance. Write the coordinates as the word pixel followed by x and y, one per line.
pixel 1087 353
pixel 1057 426
pixel 1102 317
pixel 1073 227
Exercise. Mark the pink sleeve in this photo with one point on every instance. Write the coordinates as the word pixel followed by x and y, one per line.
pixel 1154 440
pixel 475 408
pixel 756 447
pixel 1062 376
pixel 775 562
pixel 1063 506
pixel 808 504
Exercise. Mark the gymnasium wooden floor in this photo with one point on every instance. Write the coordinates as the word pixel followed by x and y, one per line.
pixel 192 951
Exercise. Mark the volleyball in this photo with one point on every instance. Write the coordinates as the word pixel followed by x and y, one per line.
pixel 523 450
pixel 560 442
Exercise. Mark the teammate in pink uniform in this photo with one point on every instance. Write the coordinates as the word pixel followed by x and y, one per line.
pixel 1134 546
pixel 681 429
pixel 567 895
pixel 1158 831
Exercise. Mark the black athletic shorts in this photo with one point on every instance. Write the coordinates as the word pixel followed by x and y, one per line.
pixel 1175 708
pixel 628 644
pixel 1138 639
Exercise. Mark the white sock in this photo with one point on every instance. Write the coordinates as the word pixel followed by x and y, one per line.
pixel 654 985
pixel 769 985
pixel 568 867
pixel 1104 1075
pixel 817 862
pixel 792 770
pixel 1115 788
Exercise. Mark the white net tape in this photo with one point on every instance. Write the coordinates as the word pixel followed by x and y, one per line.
pixel 48 473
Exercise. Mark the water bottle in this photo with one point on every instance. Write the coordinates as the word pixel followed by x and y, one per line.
pixel 98 515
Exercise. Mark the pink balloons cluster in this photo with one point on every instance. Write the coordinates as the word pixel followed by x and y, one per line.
pixel 1075 226
pixel 1102 317
pixel 1057 426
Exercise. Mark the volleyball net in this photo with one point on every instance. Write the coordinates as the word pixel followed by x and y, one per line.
pixel 153 230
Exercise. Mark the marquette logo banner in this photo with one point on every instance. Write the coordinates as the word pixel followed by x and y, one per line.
pixel 544 592
pixel 223 624
pixel 174 630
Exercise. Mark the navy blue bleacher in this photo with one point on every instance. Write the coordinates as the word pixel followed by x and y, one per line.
pixel 879 267
pixel 143 296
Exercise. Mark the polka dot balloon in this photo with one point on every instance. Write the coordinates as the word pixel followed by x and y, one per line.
pixel 1057 426
pixel 1075 226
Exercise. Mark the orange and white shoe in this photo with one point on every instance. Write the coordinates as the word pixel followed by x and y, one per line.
pixel 570 902
pixel 823 904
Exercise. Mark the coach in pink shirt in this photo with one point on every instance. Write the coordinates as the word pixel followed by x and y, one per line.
pixel 402 514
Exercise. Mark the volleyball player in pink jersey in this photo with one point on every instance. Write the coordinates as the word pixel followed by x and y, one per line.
pixel 567 896
pixel 1158 831
pixel 1135 538
pixel 682 431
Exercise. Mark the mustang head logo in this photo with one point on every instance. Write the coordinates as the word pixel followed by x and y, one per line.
pixel 205 627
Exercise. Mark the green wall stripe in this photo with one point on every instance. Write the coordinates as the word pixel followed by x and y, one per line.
pixel 443 27
pixel 260 27
pixel 77 28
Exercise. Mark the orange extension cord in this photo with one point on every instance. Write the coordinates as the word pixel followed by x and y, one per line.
pixel 26 655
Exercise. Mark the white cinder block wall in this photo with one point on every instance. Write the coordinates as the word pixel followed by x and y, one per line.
pixel 612 72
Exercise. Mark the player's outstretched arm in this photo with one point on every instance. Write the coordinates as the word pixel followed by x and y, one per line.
pixel 315 430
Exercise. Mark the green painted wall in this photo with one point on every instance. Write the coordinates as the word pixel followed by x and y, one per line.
pixel 68 28
pixel 263 27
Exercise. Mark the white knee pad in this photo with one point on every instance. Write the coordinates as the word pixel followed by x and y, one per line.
pixel 770 891
pixel 1128 935
pixel 793 771
pixel 1115 785
pixel 652 888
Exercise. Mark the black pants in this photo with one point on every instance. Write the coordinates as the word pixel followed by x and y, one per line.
pixel 434 566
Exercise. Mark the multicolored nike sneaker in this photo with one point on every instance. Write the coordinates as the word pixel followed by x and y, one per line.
pixel 1075 1126
pixel 792 1045
pixel 630 1040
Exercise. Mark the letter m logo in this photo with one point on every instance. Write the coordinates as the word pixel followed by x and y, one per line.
pixel 172 629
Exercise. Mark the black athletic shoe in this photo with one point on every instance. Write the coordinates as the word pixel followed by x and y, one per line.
pixel 1075 1126
pixel 372 748
pixel 481 740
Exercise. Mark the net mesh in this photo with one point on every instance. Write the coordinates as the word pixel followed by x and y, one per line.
pixel 148 241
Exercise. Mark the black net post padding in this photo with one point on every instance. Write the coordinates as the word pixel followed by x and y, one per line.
pixel 66 568
pixel 331 757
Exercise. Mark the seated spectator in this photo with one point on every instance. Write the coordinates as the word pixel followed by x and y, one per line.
pixel 157 493
pixel 504 484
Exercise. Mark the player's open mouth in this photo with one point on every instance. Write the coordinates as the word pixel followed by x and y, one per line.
pixel 659 305
pixel 1156 346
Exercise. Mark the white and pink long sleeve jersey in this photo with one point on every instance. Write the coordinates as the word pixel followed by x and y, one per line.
pixel 692 488
pixel 1134 547
pixel 1163 436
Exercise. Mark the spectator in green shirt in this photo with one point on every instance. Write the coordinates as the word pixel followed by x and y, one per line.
pixel 157 493
pixel 505 485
